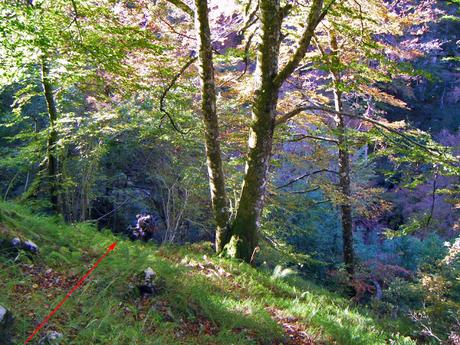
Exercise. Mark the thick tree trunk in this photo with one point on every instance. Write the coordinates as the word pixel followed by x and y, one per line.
pixel 52 137
pixel 212 141
pixel 246 223
pixel 344 167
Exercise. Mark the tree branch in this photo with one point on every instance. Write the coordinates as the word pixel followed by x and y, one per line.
pixel 407 138
pixel 75 19
pixel 182 6
pixel 305 191
pixel 246 55
pixel 307 136
pixel 286 117
pixel 306 175
pixel 320 202
pixel 314 17
pixel 252 19
pixel 167 89
pixel 433 199
pixel 171 27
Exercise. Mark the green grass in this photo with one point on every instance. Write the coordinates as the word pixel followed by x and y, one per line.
pixel 205 299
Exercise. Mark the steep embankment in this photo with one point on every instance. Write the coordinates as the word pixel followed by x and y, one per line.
pixel 197 298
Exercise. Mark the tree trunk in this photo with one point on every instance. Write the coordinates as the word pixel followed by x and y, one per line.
pixel 212 138
pixel 241 239
pixel 345 185
pixel 344 165
pixel 244 228
pixel 52 167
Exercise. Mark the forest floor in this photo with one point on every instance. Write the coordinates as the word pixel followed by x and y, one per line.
pixel 197 298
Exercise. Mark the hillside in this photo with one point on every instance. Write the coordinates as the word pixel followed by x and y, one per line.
pixel 197 298
pixel 230 172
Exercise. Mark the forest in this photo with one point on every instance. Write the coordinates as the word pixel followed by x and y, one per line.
pixel 267 172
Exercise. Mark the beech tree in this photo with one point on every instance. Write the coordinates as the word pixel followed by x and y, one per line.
pixel 48 47
pixel 209 112
pixel 349 50
pixel 268 80
pixel 28 44
pixel 239 234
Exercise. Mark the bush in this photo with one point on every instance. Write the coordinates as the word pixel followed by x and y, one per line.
pixel 431 301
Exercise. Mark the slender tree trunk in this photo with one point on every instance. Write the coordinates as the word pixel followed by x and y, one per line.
pixel 84 203
pixel 212 138
pixel 246 223
pixel 344 166
pixel 52 137
pixel 345 185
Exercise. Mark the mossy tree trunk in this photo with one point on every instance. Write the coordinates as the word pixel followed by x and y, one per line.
pixel 244 231
pixel 209 112
pixel 345 186
pixel 240 239
pixel 244 228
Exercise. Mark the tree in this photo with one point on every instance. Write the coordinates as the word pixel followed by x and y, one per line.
pixel 209 112
pixel 51 148
pixel 51 49
pixel 27 43
pixel 241 240
pixel 356 59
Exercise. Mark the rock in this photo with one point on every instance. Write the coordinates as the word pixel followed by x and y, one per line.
pixel 11 248
pixel 16 242
pixel 51 338
pixel 5 315
pixel 146 289
pixel 149 285
pixel 6 326
pixel 30 247
pixel 149 274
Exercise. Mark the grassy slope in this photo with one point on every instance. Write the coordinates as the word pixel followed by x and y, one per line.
pixel 205 299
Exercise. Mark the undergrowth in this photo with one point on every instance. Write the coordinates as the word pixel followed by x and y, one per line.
pixel 204 299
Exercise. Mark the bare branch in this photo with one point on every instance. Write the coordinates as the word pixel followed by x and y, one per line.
pixel 307 136
pixel 286 117
pixel 252 19
pixel 246 55
pixel 305 191
pixel 167 89
pixel 407 138
pixel 113 210
pixel 433 199
pixel 171 27
pixel 305 176
pixel 360 18
pixel 245 60
pixel 75 19
pixel 320 202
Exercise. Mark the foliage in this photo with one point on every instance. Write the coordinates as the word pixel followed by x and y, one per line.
pixel 130 140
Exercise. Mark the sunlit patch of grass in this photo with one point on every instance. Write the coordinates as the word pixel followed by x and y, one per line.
pixel 233 297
